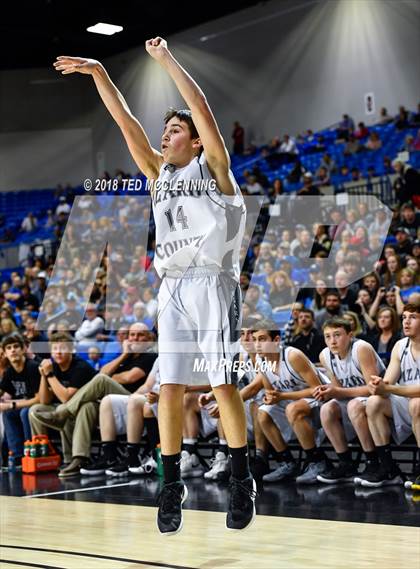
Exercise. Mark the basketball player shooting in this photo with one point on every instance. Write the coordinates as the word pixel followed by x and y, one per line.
pixel 198 238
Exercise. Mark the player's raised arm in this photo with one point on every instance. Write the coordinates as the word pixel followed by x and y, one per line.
pixel 147 158
pixel 214 147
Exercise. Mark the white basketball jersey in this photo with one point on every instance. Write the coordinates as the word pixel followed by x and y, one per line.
pixel 286 379
pixel 196 224
pixel 410 368
pixel 348 371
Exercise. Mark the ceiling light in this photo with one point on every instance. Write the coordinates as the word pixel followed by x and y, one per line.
pixel 106 29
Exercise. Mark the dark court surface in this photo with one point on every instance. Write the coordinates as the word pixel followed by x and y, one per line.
pixel 345 503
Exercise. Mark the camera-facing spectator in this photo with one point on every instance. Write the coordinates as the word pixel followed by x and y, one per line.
pixel 307 337
pixel 21 381
pixel 386 333
pixel 407 184
pixel 93 325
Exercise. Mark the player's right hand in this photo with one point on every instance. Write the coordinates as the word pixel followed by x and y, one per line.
pixel 204 399
pixel 67 65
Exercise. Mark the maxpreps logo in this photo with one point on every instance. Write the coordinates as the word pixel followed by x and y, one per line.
pixel 204 365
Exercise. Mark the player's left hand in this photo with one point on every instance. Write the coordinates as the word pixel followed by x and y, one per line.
pixel 377 386
pixel 157 48
pixel 272 396
pixel 325 392
pixel 213 411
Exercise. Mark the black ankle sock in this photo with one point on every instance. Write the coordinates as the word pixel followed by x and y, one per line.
pixel 314 454
pixel 109 449
pixel 133 450
pixel 152 429
pixel 384 454
pixel 345 456
pixel 224 449
pixel 261 454
pixel 171 467
pixel 284 456
pixel 191 448
pixel 239 462
pixel 372 455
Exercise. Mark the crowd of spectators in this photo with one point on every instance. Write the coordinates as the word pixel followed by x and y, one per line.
pixel 97 293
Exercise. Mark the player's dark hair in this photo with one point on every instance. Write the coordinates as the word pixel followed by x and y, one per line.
pixel 13 338
pixel 412 307
pixel 183 115
pixel 63 337
pixel 337 322
pixel 269 326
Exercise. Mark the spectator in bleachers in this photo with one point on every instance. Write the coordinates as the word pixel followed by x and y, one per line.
pixel 388 297
pixel 71 313
pixel 407 184
pixel 307 338
pixel 391 273
pixel 7 326
pixel 282 291
pixel 344 173
pixel 328 163
pixel 332 308
pixel 362 307
pixel 29 223
pixel 409 283
pixel 380 224
pixel 238 136
pixel 256 302
pixel 50 221
pixel 62 376
pixel 373 142
pixel 319 297
pixel 387 166
pixel 348 293
pixel 345 128
pixel 410 219
pixel 413 264
pixel 309 187
pixel 252 187
pixel 290 328
pixel 296 173
pixel 93 324
pixel 63 207
pixel 402 119
pixel 322 177
pixel 94 357
pixel 408 145
pixel 151 304
pixel 288 149
pixel 384 117
pixel 386 333
pixel 356 327
pixel 276 189
pixel 21 381
pixel 27 300
pixel 361 131
pixel 404 242
pixel 123 375
pixel 337 223
pixel 355 175
pixel 352 146
pixel 264 254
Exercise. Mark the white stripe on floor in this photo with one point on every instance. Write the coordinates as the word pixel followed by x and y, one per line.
pixel 131 483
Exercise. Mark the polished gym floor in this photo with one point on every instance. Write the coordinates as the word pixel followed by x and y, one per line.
pixel 100 522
